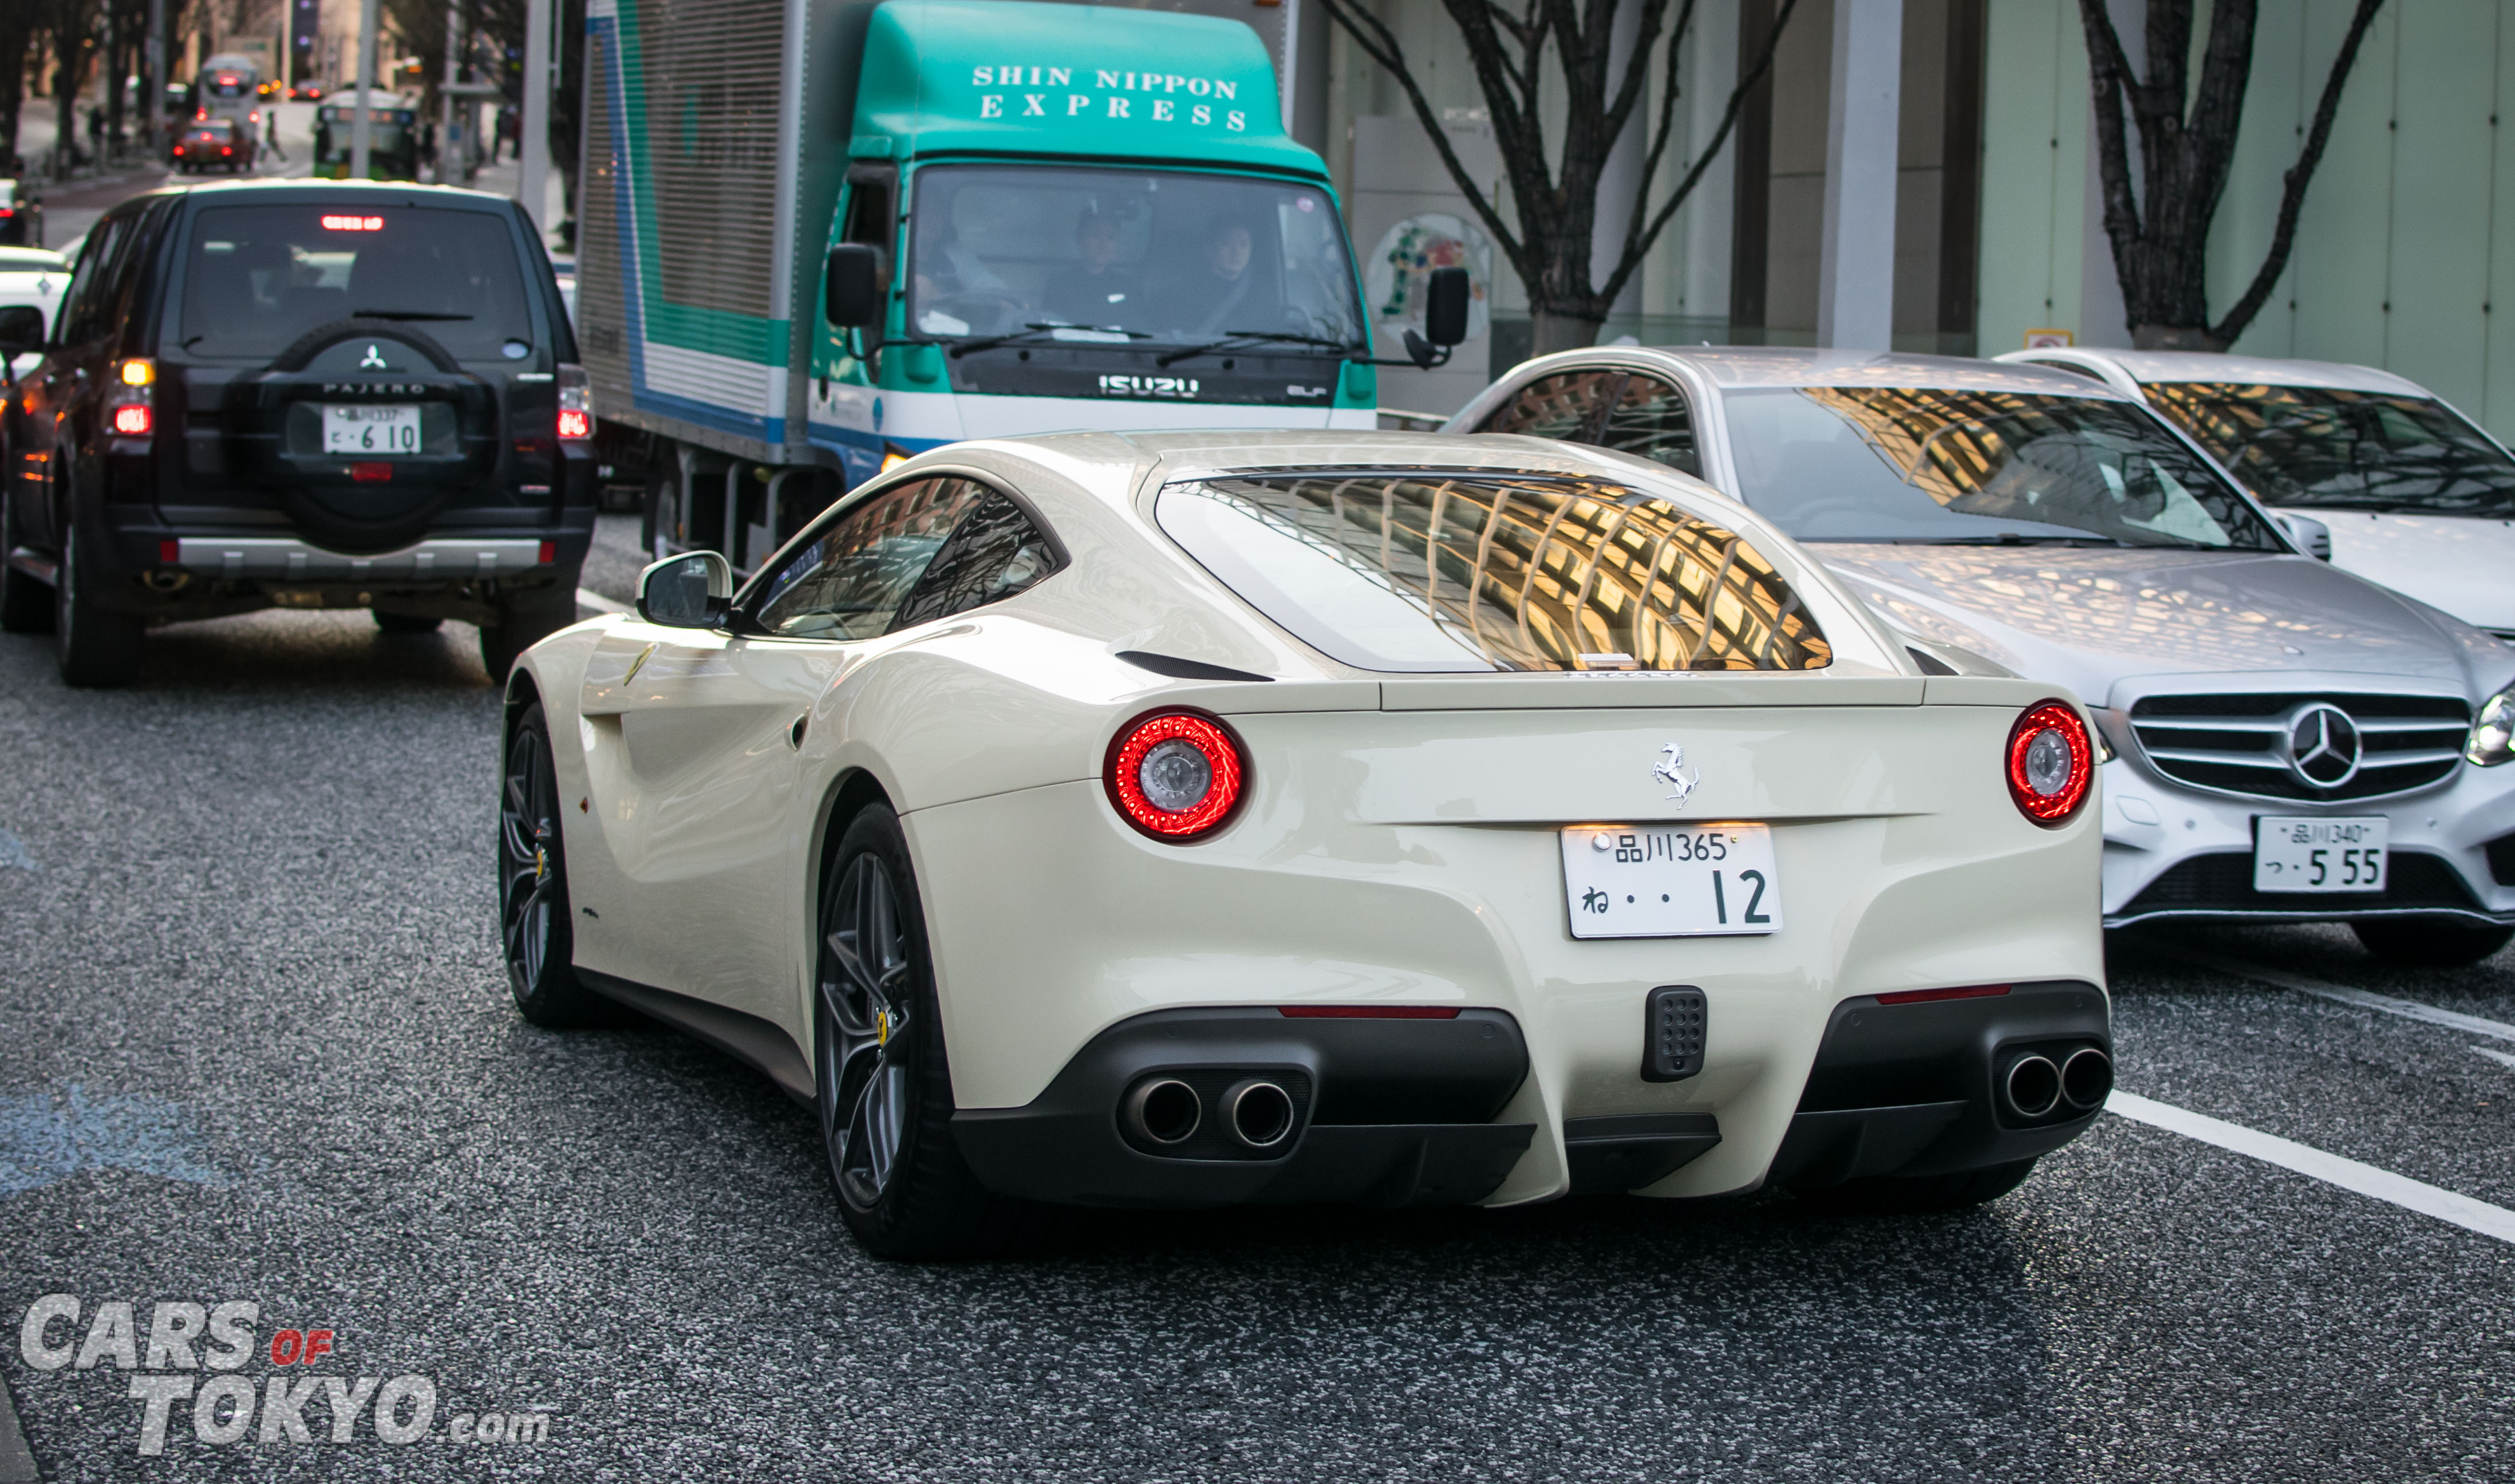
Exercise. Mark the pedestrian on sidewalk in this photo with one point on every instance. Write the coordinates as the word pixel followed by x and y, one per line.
pixel 270 118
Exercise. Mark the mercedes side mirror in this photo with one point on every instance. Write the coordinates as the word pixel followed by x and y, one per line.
pixel 2311 536
pixel 851 286
pixel 1445 318
pixel 22 329
pixel 689 592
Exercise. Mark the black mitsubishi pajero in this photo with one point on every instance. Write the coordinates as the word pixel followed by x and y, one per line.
pixel 301 396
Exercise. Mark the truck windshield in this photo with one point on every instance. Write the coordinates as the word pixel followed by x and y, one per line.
pixel 257 278
pixel 1162 257
pixel 1978 468
pixel 2320 448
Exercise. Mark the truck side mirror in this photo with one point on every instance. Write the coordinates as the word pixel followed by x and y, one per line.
pixel 851 286
pixel 691 591
pixel 1445 307
pixel 22 329
pixel 1445 318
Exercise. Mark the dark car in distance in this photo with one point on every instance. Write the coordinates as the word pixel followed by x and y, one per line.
pixel 22 216
pixel 300 396
pixel 213 144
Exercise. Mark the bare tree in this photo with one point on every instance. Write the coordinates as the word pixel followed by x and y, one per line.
pixel 17 47
pixel 1554 193
pixel 2161 235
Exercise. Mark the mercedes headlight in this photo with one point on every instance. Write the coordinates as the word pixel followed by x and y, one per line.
pixel 2492 735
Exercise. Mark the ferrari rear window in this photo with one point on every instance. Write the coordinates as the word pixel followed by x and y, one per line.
pixel 1481 570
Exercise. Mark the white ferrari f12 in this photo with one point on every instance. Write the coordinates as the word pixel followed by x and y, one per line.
pixel 1194 819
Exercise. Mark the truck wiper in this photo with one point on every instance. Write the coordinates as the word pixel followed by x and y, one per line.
pixel 1032 332
pixel 1234 339
pixel 405 315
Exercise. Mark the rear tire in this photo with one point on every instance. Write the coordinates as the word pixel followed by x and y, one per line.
pixel 409 623
pixel 1911 1195
pixel 94 648
pixel 882 1081
pixel 536 936
pixel 26 604
pixel 525 619
pixel 2430 943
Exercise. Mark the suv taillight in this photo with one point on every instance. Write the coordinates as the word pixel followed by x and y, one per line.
pixel 2051 762
pixel 575 404
pixel 130 401
pixel 1176 775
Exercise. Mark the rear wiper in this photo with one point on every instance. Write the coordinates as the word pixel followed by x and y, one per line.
pixel 1032 331
pixel 1234 339
pixel 405 315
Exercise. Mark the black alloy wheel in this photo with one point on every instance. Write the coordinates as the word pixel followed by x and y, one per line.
pixel 535 934
pixel 881 1078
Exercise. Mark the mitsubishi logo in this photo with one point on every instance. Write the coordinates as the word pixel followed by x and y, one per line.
pixel 2322 745
pixel 1672 770
pixel 374 359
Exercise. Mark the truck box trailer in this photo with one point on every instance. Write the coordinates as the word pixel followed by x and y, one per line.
pixel 1074 217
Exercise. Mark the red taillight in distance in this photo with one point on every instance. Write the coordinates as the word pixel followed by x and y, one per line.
pixel 2051 762
pixel 1176 775
pixel 575 405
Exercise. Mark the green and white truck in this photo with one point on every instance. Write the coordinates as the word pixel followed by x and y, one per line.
pixel 1027 217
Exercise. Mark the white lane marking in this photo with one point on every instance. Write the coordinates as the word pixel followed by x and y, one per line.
pixel 2502 1058
pixel 2408 1010
pixel 587 598
pixel 2347 1173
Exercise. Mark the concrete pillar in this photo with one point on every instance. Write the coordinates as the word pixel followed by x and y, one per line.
pixel 1855 304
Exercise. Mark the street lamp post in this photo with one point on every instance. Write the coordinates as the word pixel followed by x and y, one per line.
pixel 532 176
pixel 359 131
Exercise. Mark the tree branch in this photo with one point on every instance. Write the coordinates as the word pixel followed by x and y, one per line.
pixel 2298 177
pixel 1636 246
pixel 1382 46
pixel 2106 60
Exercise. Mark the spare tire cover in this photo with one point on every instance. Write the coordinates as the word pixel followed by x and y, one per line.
pixel 350 500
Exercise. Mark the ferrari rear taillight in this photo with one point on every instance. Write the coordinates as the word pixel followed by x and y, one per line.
pixel 2051 762
pixel 1176 775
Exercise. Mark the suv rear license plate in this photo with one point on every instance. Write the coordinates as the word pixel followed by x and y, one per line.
pixel 2297 854
pixel 370 431
pixel 1669 881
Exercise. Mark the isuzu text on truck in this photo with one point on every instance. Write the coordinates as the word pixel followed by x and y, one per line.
pixel 819 237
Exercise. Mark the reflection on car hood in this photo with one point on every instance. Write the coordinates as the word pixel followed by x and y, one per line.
pixel 2087 619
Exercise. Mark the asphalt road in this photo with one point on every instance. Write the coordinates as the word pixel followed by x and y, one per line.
pixel 254 1048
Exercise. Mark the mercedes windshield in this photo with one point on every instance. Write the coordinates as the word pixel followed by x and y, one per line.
pixel 1929 466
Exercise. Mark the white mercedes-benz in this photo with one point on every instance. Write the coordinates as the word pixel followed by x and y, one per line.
pixel 1193 819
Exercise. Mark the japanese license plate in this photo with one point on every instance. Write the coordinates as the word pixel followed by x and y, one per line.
pixel 1671 881
pixel 370 431
pixel 2297 854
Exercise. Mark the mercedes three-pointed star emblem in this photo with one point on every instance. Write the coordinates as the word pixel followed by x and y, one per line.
pixel 2322 745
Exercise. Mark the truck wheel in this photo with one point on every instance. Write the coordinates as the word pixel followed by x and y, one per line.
pixel 881 1079
pixel 94 648
pixel 26 604
pixel 1910 1195
pixel 2428 944
pixel 525 619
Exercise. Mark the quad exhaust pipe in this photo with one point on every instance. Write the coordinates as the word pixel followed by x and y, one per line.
pixel 2036 1085
pixel 1164 1111
pixel 1257 1113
